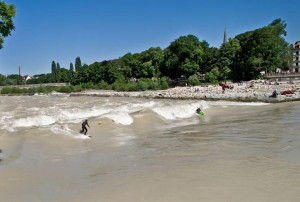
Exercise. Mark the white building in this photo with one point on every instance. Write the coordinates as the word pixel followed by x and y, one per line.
pixel 295 68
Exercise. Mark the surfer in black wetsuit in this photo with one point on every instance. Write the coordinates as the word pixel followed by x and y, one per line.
pixel 198 110
pixel 84 129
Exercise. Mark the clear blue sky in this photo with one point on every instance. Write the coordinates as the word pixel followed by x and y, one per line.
pixel 97 30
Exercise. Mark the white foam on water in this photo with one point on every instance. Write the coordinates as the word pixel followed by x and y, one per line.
pixel 4 119
pixel 119 117
pixel 143 105
pixel 77 115
pixel 37 117
pixel 37 121
pixel 122 108
pixel 40 94
pixel 34 109
pixel 65 130
pixel 31 117
pixel 54 93
pixel 175 111
pixel 133 107
pixel 228 103
pixel 66 112
pixel 5 115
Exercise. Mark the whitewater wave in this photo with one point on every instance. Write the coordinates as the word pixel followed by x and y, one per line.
pixel 228 103
pixel 67 111
pixel 35 121
pixel 185 110
pixel 65 130
pixel 119 117
pixel 76 115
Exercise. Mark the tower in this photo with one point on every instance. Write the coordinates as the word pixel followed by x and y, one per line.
pixel 225 36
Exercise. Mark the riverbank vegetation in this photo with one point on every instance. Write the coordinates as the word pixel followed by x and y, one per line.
pixel 141 85
pixel 186 61
pixel 39 90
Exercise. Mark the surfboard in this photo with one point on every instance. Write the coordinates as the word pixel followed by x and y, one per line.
pixel 81 136
pixel 201 113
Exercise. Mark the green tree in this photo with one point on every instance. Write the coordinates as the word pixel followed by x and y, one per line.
pixel 2 80
pixel 40 78
pixel 225 74
pixel 58 73
pixel 7 12
pixel 78 65
pixel 64 75
pixel 71 72
pixel 53 72
pixel 228 52
pixel 98 70
pixel 182 57
pixel 263 49
pixel 13 79
pixel 150 62
pixel 210 59
pixel 113 72
pixel 226 58
pixel 131 65
pixel 213 75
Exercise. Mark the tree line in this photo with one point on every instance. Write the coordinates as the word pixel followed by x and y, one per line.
pixel 241 58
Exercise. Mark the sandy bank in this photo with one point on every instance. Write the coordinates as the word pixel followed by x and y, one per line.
pixel 246 92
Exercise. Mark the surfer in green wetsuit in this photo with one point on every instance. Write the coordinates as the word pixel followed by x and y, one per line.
pixel 84 129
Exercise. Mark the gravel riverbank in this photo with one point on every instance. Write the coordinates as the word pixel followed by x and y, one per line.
pixel 245 92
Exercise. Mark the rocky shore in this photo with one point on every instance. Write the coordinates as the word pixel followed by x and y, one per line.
pixel 255 91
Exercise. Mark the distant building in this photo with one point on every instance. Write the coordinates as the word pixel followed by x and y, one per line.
pixel 25 79
pixel 295 68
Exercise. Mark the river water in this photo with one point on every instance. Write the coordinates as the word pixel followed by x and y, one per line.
pixel 147 150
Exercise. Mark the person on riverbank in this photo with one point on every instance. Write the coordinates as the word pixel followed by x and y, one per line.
pixel 84 129
pixel 274 94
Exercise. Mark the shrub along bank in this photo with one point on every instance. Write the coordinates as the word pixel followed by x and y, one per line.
pixel 141 85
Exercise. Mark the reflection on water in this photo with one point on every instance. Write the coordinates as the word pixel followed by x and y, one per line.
pixel 240 152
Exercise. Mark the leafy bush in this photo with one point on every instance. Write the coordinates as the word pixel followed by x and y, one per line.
pixel 119 86
pixel 88 85
pixel 225 74
pixel 164 83
pixel 193 80
pixel 64 89
pixel 42 89
pixel 154 85
pixel 213 75
pixel 76 88
pixel 16 90
pixel 32 90
pixel 142 85
pixel 6 90
pixel 103 85
pixel 132 86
